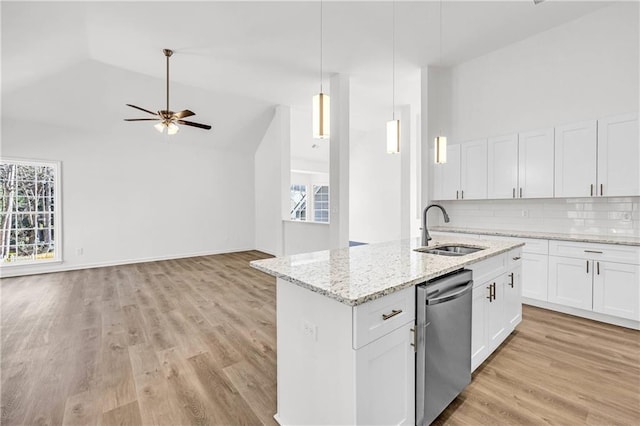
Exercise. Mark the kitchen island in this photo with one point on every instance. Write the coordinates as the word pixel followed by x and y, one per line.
pixel 345 325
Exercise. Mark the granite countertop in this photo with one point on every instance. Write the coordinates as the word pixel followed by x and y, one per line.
pixel 359 274
pixel 586 238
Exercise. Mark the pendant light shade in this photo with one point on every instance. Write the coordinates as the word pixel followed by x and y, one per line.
pixel 321 116
pixel 393 137
pixel 441 149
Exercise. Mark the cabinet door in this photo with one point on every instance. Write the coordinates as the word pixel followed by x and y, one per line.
pixel 502 167
pixel 535 164
pixel 479 337
pixel 535 275
pixel 446 177
pixel 385 378
pixel 619 156
pixel 513 299
pixel 575 169
pixel 570 282
pixel 616 289
pixel 496 324
pixel 473 170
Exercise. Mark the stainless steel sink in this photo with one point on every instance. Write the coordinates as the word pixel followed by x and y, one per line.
pixel 450 250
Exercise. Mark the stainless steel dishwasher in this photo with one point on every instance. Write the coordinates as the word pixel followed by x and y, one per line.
pixel 443 331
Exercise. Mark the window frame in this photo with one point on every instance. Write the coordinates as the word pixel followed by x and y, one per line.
pixel 315 202
pixel 57 211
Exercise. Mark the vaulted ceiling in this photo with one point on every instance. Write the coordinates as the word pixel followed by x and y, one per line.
pixel 265 52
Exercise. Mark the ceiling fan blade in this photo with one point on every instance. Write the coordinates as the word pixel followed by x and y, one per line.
pixel 191 123
pixel 142 109
pixel 141 119
pixel 183 114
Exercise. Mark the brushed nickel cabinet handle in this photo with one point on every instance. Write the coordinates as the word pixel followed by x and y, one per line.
pixel 391 314
pixel 511 283
pixel 462 193
pixel 598 268
pixel 457 194
pixel 520 192
pixel 592 190
pixel 587 266
pixel 601 190
pixel 414 340
pixel 593 251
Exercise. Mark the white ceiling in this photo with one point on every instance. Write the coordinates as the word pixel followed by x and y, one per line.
pixel 258 53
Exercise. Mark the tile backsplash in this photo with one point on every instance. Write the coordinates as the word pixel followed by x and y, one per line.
pixel 598 216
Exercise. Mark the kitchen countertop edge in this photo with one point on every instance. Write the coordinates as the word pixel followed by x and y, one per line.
pixel 461 262
pixel 586 238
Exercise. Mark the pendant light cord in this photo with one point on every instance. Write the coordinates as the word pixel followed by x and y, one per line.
pixel 440 66
pixel 393 68
pixel 320 46
pixel 167 84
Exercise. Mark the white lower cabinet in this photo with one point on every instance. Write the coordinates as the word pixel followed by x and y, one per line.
pixel 600 278
pixel 513 298
pixel 496 307
pixel 385 380
pixel 570 282
pixel 535 268
pixel 616 289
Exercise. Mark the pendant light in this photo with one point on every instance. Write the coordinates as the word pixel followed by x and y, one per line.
pixel 440 141
pixel 393 126
pixel 321 103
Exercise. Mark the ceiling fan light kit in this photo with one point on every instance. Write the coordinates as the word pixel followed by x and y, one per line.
pixel 168 119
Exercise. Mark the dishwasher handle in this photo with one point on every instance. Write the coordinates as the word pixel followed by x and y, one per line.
pixel 454 293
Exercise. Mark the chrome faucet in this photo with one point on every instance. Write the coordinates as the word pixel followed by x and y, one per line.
pixel 425 232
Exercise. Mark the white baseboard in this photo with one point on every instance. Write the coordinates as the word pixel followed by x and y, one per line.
pixel 18 271
pixel 596 316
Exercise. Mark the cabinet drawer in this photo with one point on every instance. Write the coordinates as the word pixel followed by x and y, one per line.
pixel 488 269
pixel 603 252
pixel 535 246
pixel 369 321
pixel 513 258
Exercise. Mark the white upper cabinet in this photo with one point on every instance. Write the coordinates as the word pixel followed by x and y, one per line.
pixel 473 170
pixel 576 156
pixel 502 166
pixel 535 164
pixel 446 176
pixel 618 156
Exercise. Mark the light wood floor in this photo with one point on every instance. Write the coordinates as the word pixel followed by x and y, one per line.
pixel 192 341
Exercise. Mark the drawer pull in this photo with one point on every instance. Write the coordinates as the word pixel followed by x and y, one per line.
pixel 601 190
pixel 591 193
pixel 392 314
pixel 511 283
pixel 490 293
pixel 516 258
pixel 587 266
pixel 593 251
pixel 598 268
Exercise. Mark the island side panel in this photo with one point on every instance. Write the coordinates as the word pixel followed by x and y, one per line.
pixel 315 358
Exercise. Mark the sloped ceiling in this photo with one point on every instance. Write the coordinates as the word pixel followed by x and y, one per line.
pixel 253 55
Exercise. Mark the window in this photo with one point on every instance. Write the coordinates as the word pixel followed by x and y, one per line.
pixel 298 202
pixel 321 203
pixel 29 212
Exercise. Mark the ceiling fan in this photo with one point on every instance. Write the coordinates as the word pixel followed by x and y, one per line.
pixel 168 119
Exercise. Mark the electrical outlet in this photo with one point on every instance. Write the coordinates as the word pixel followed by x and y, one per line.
pixel 310 330
pixel 626 216
pixel 525 213
pixel 79 251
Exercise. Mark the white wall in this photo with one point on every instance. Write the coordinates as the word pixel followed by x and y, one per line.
pixel 305 237
pixel 272 169
pixel 128 193
pixel 585 69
